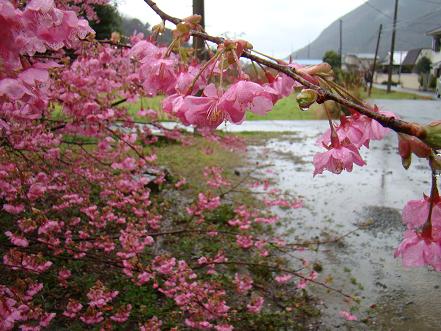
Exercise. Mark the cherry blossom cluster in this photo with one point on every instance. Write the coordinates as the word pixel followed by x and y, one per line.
pixel 344 141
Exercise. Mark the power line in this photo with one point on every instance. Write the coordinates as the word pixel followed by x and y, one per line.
pixel 410 20
pixel 429 1
pixel 378 10
pixel 432 12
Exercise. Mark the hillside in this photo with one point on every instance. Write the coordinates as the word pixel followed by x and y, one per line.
pixel 360 28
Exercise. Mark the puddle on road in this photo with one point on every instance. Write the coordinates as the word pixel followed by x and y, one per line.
pixel 363 263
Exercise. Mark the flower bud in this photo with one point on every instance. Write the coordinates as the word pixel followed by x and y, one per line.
pixel 306 98
pixel 433 134
pixel 182 31
pixel 412 144
pixel 408 145
pixel 237 46
pixel 115 37
pixel 158 28
pixel 193 19
pixel 183 28
pixel 319 69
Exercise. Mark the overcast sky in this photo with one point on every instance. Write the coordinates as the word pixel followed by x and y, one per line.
pixel 275 27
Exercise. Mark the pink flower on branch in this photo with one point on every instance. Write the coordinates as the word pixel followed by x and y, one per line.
pixel 214 107
pixel 243 283
pixel 122 315
pixel 419 249
pixel 72 309
pixel 17 240
pixel 204 111
pixel 416 213
pixel 339 157
pixel 358 129
pixel 282 279
pixel 256 305
pixel 99 295
pixel 246 95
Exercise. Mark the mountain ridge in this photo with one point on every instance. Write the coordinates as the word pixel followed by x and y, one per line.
pixel 360 28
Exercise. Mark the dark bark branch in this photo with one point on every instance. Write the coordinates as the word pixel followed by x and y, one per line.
pixel 396 125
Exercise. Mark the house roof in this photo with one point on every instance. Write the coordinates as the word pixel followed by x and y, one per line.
pixel 434 32
pixel 411 57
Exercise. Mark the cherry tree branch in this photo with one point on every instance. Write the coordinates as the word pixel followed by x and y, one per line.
pixel 412 129
pixel 280 269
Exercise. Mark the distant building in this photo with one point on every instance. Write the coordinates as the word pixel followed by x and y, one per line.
pixel 436 50
pixel 361 62
pixel 398 59
pixel 412 58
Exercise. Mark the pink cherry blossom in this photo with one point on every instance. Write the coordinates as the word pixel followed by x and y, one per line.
pixel 223 327
pixel 351 128
pixel 246 95
pixel 347 316
pixel 282 279
pixel 337 159
pixel 282 86
pixel 17 240
pixel 243 283
pixel 151 113
pixel 46 319
pixel 373 129
pixel 92 317
pixel 256 305
pixel 416 213
pixel 17 209
pixel 32 290
pixel 214 177
pixel 154 324
pixel 99 295
pixel 63 275
pixel 204 111
pixel 72 309
pixel 122 314
pixel 417 250
pixel 244 242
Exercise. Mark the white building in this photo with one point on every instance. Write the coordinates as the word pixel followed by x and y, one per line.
pixel 436 51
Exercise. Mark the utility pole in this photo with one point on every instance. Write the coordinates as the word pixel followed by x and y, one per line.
pixel 392 48
pixel 198 43
pixel 375 59
pixel 340 48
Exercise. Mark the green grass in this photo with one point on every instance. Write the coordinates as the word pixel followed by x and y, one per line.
pixel 189 162
pixel 286 109
pixel 393 95
pixel 145 103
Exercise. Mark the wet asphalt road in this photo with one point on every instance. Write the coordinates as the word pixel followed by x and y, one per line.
pixel 420 111
pixel 335 204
